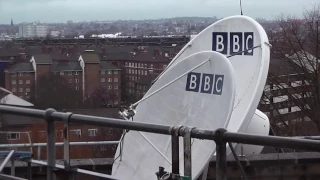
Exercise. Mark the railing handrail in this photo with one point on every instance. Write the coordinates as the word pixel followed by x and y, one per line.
pixel 197 133
pixel 220 136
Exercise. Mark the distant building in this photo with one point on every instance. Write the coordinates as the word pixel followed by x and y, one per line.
pixel 85 75
pixel 33 30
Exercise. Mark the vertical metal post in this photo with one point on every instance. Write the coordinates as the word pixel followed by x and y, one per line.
pixel 66 144
pixel 51 148
pixel 29 171
pixel 187 152
pixel 221 156
pixel 12 167
pixel 39 157
pixel 175 152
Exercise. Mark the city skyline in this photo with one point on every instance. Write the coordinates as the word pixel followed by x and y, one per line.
pixel 60 11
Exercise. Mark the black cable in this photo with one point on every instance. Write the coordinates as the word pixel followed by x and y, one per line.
pixel 241 7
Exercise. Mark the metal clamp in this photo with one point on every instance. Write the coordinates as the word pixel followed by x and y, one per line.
pixel 66 145
pixel 186 133
pixel 175 151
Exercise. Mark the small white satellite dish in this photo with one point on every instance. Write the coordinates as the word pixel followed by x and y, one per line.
pixel 259 125
pixel 198 91
pixel 230 36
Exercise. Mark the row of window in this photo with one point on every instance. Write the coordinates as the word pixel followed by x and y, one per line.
pixel 109 72
pixel 114 87
pixel 20 82
pixel 139 65
pixel 70 73
pixel 135 71
pixel 91 132
pixel 21 90
pixel 109 79
pixel 20 74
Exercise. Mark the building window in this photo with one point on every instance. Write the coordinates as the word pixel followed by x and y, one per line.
pixel 13 136
pixel 135 72
pixel 116 87
pixel 145 73
pixel 103 147
pixel 21 74
pixel 77 88
pixel 20 81
pixel 14 90
pixel 115 72
pixel 109 72
pixel 92 132
pixel 13 74
pixel 129 71
pixel 151 66
pixel 109 87
pixel 145 65
pixel 27 97
pixel 139 71
pixel 115 79
pixel 13 82
pixel 109 79
pixel 129 64
pixel 20 89
pixel 60 134
pixel 27 89
pixel 103 72
pixel 76 80
pixel 126 64
pixel 76 73
pixel 69 80
pixel 77 132
pixel 27 81
pixel 27 74
pixel 103 80
pixel 70 73
pixel 61 73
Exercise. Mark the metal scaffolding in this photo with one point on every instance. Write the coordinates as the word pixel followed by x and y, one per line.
pixel 220 136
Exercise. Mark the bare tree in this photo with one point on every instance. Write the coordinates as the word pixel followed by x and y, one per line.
pixel 104 97
pixel 54 91
pixel 295 42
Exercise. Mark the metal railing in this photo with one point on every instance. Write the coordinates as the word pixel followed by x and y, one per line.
pixel 220 136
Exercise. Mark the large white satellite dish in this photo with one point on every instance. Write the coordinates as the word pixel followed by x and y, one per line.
pixel 230 36
pixel 203 98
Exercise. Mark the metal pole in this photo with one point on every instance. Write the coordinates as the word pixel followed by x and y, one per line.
pixel 89 143
pixel 51 148
pixel 12 167
pixel 29 171
pixel 187 153
pixel 221 156
pixel 175 153
pixel 237 160
pixel 5 161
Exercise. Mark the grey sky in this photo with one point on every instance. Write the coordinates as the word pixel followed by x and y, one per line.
pixel 87 10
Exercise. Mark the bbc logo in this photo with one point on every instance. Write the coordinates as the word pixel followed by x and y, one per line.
pixel 205 83
pixel 229 43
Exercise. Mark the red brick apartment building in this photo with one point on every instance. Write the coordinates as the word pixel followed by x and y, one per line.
pixel 140 63
pixel 85 75
pixel 20 129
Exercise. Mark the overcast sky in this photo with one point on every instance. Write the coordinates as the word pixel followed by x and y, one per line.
pixel 87 10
